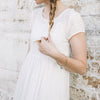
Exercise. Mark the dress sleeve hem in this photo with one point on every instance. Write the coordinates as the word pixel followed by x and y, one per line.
pixel 74 34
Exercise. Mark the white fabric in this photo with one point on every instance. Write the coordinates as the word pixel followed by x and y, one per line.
pixel 76 25
pixel 41 78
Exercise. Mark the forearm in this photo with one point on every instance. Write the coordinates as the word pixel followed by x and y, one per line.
pixel 70 64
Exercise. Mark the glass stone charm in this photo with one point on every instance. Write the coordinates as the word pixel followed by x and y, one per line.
pixel 61 67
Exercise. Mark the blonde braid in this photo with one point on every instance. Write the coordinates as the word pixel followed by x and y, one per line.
pixel 51 16
pixel 52 13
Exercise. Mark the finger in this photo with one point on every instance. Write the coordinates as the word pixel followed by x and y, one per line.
pixel 49 37
pixel 45 38
pixel 42 39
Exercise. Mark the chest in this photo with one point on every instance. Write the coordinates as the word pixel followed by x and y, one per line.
pixel 58 34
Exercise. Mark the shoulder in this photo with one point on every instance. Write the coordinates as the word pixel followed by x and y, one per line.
pixel 73 11
pixel 74 14
pixel 35 11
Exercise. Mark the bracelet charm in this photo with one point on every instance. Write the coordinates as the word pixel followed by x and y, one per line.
pixel 61 67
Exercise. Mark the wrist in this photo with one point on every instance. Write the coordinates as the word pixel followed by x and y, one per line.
pixel 56 55
pixel 61 59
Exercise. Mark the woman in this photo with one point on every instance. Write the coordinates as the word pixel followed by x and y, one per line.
pixel 45 71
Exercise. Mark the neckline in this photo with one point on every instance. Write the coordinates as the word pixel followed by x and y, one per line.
pixel 67 9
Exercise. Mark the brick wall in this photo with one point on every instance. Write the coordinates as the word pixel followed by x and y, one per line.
pixel 14 39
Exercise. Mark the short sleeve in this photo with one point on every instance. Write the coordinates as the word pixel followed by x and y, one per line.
pixel 76 25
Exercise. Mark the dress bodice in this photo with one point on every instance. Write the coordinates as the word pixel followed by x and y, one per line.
pixel 65 26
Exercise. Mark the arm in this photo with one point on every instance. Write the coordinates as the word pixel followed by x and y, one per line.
pixel 78 63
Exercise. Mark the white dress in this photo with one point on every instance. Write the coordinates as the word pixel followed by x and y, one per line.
pixel 40 77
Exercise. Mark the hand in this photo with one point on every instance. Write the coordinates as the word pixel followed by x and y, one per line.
pixel 48 47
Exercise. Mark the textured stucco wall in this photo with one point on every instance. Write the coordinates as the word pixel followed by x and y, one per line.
pixel 14 39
